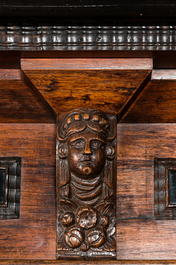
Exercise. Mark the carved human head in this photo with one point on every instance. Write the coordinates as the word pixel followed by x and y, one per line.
pixel 85 135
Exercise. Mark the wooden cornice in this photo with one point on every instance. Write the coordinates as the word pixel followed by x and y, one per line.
pixel 87 38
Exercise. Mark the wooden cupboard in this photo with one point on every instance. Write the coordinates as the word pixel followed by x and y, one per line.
pixel 121 63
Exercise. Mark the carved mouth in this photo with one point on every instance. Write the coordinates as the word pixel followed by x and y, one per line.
pixel 87 163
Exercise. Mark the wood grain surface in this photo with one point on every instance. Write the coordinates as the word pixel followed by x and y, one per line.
pixel 33 236
pixel 88 63
pixel 156 104
pixel 166 74
pixel 139 236
pixel 14 74
pixel 65 262
pixel 106 90
pixel 17 101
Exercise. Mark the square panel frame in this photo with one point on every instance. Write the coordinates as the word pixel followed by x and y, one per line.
pixel 163 210
pixel 10 209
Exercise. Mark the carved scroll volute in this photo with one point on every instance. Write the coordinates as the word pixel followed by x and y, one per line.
pixel 86 162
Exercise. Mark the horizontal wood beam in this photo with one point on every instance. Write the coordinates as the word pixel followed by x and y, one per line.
pixel 79 262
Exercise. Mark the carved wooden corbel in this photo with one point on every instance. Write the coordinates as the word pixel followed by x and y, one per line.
pixel 86 166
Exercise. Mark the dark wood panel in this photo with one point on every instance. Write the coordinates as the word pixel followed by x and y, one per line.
pixel 80 10
pixel 156 104
pixel 107 90
pixel 139 236
pixel 18 103
pixel 33 236
pixel 9 59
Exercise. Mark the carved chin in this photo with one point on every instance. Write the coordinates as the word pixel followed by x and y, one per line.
pixel 87 170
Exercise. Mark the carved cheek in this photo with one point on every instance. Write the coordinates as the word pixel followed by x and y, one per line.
pixel 98 159
pixel 101 159
pixel 74 157
pixel 102 153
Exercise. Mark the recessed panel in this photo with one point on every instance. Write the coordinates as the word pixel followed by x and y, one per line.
pixel 165 189
pixel 10 178
pixel 2 185
pixel 172 187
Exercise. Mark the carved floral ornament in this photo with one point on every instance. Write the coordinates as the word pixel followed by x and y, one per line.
pixel 86 184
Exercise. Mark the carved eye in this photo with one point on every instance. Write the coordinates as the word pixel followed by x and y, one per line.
pixel 78 144
pixel 96 144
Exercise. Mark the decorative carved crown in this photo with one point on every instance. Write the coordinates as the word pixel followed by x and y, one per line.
pixel 78 120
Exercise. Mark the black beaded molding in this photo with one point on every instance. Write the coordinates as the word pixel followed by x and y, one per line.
pixel 36 38
pixel 11 207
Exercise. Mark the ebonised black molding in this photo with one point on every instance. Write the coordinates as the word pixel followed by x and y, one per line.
pixel 86 38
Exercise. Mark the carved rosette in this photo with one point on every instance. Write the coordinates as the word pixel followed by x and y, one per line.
pixel 86 152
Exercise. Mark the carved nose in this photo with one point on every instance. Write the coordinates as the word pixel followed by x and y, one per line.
pixel 87 149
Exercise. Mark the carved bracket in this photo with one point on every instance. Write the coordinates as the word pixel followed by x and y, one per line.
pixel 86 165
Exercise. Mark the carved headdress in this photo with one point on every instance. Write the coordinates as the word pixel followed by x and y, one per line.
pixel 78 120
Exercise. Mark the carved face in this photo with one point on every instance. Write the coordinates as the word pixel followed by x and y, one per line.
pixel 86 153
